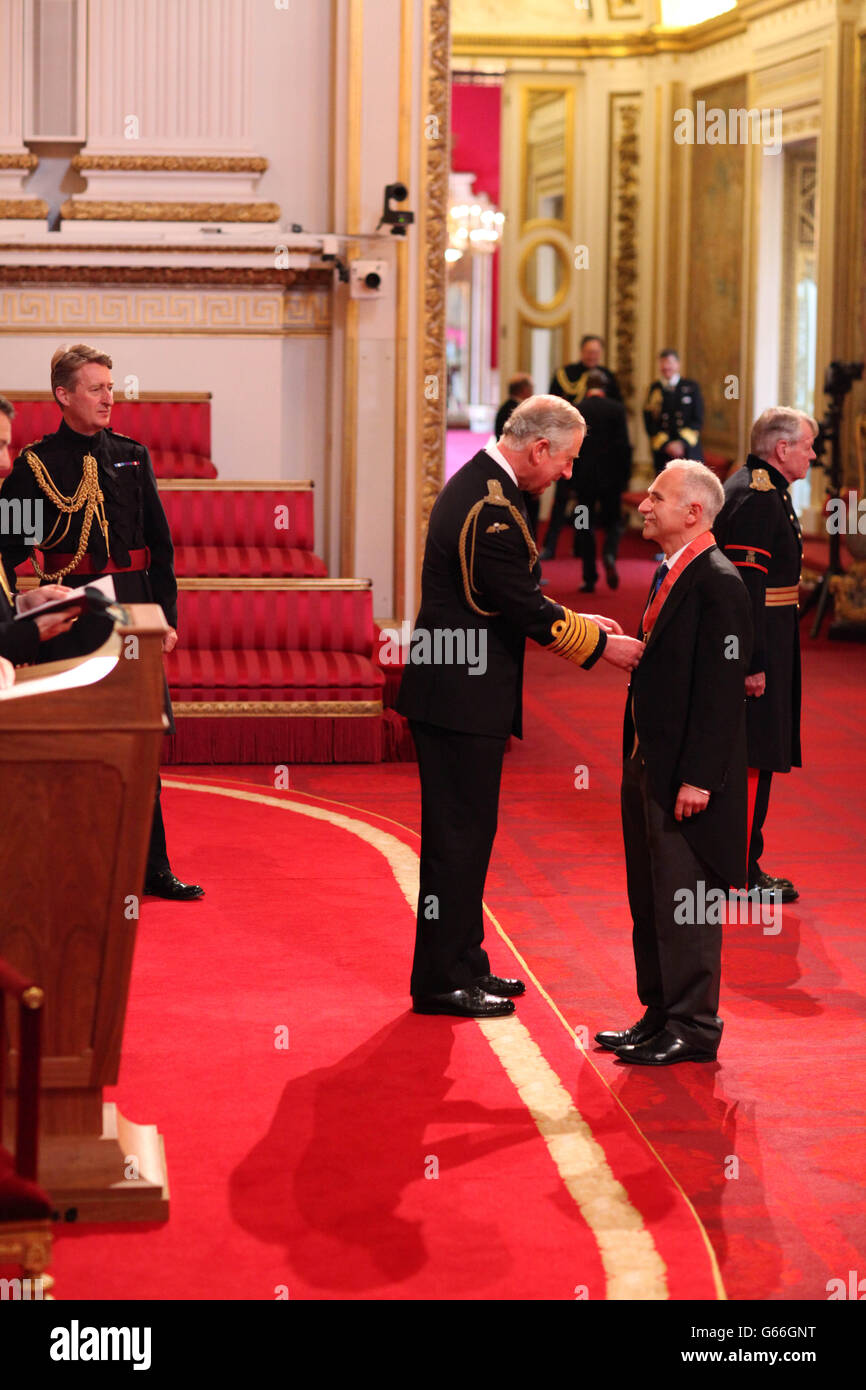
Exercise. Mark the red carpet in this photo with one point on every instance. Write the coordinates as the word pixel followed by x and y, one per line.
pixel 304 1169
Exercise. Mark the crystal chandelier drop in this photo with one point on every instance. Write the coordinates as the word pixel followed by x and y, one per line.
pixel 474 224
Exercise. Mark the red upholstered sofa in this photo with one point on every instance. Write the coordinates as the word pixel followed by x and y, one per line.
pixel 175 428
pixel 244 530
pixel 279 670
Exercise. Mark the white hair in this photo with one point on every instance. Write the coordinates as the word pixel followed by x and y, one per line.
pixel 700 484
pixel 543 417
pixel 779 422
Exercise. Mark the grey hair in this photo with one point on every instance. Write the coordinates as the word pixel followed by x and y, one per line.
pixel 700 484
pixel 543 417
pixel 779 422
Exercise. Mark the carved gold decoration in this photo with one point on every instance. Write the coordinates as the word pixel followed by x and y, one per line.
pixel 293 709
pixel 198 163
pixel 401 356
pixel 635 44
pixel 550 306
pixel 32 208
pixel 18 161
pixel 433 238
pixel 117 211
pixel 625 113
pixel 161 275
pixel 159 311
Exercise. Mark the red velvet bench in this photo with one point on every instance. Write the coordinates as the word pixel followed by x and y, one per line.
pixel 242 530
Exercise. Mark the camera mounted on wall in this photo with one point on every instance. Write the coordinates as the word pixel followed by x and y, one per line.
pixel 392 217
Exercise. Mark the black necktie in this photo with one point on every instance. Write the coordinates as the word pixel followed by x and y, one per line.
pixel 658 580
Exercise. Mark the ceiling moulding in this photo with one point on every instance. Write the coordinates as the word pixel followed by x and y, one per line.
pixel 622 44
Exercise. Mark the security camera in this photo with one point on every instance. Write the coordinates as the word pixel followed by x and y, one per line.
pixel 392 217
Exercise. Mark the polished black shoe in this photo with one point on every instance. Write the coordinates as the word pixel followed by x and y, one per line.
pixel 663 1050
pixel 168 885
pixel 611 575
pixel 503 989
pixel 545 554
pixel 765 883
pixel 463 1003
pixel 586 589
pixel 639 1032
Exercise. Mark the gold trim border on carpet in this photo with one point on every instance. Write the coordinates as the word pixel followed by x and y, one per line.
pixel 633 1266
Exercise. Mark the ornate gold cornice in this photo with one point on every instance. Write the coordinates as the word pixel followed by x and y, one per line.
pixel 199 163
pixel 111 211
pixel 18 161
pixel 433 239
pixel 33 208
pixel 127 247
pixel 318 277
pixel 637 44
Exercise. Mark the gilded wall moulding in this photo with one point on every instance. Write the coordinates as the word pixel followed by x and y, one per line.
pixel 160 311
pixel 199 163
pixel 32 208
pixel 18 161
pixel 80 208
pixel 180 275
pixel 436 159
pixel 625 115
pixel 129 247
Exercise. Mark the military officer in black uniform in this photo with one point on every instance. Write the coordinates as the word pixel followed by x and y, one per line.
pixel 462 688
pixel 759 532
pixel 571 382
pixel 673 414
pixel 102 515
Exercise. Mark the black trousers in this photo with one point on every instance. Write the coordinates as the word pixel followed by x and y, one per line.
pixel 157 853
pixel 460 777
pixel 604 511
pixel 759 815
pixel 678 964
pixel 564 489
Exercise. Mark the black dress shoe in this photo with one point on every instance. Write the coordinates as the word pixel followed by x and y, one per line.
pixel 663 1050
pixel 639 1032
pixel 167 885
pixel 545 554
pixel 765 883
pixel 586 589
pixel 610 574
pixel 504 989
pixel 463 1003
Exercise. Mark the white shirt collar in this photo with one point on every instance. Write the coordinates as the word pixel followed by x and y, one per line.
pixel 671 383
pixel 671 561
pixel 497 455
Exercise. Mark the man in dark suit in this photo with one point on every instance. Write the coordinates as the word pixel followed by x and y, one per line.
pixel 102 516
pixel 601 474
pixel 462 688
pixel 673 413
pixel 520 388
pixel 759 532
pixel 684 774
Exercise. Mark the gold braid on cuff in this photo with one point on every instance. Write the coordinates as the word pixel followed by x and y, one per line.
pixel 574 637
pixel 88 495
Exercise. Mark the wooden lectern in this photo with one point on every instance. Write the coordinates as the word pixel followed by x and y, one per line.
pixel 78 769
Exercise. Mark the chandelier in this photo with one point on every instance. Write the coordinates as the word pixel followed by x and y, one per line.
pixel 473 226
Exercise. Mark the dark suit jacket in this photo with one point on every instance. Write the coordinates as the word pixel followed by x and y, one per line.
pixel 19 641
pixel 447 693
pixel 687 700
pixel 604 461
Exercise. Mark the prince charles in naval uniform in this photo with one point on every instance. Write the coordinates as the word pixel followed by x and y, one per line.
pixel 480 582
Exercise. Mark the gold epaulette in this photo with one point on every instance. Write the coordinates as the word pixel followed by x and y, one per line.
pixel 658 440
pixel 689 435
pixel 495 498
pixel 575 637
pixel 761 480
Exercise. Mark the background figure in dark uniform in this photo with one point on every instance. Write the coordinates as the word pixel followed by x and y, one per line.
pixel 759 532
pixel 684 774
pixel 600 475
pixel 673 413
pixel 569 381
pixel 572 383
pixel 116 526
pixel 520 388
pixel 480 595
